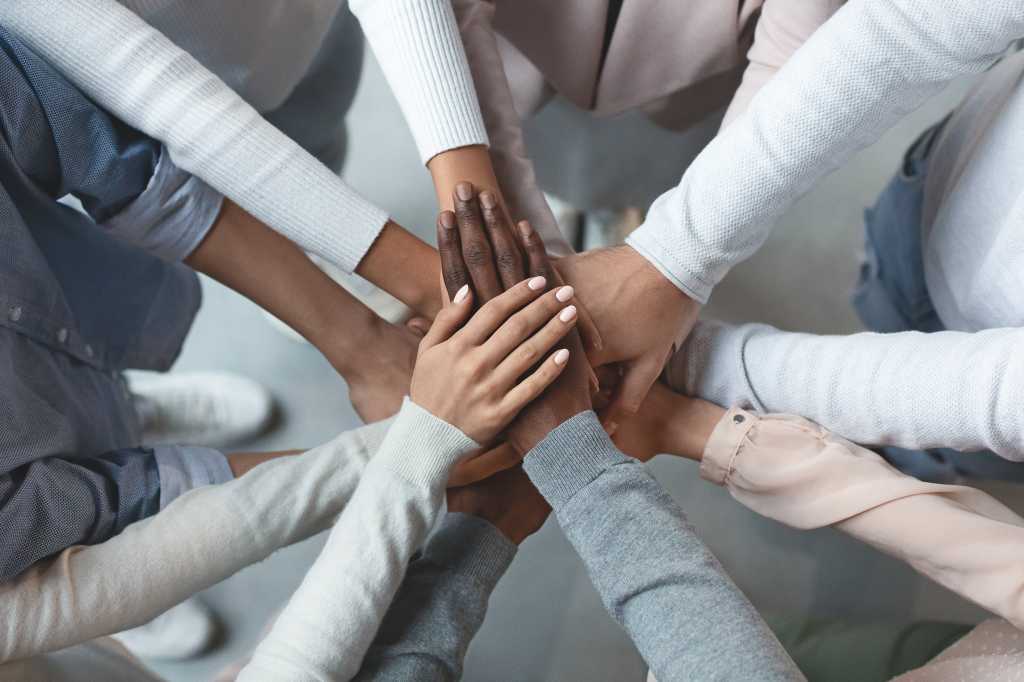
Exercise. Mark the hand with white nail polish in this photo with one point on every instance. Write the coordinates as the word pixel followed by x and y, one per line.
pixel 478 374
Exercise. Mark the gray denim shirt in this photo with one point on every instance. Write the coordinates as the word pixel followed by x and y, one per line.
pixel 76 307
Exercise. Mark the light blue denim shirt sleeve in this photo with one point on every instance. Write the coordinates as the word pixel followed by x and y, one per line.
pixel 172 216
pixel 183 468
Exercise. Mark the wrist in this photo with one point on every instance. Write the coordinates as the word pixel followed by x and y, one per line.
pixel 349 341
pixel 687 430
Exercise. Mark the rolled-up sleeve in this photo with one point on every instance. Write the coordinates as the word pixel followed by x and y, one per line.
pixel 796 472
pixel 172 216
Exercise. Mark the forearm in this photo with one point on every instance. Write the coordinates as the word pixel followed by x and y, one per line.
pixel 947 389
pixel 330 621
pixel 860 73
pixel 794 471
pixel 202 538
pixel 674 592
pixel 441 605
pixel 406 267
pixel 508 155
pixel 265 267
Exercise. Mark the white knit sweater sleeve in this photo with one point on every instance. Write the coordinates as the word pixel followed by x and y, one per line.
pixel 418 46
pixel 871 64
pixel 201 538
pixel 947 389
pixel 140 76
pixel 331 620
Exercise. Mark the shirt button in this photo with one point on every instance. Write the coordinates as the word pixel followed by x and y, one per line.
pixel 15 313
pixel 62 335
pixel 738 419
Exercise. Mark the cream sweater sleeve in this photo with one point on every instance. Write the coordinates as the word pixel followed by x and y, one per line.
pixel 418 46
pixel 140 76
pixel 868 66
pixel 331 620
pixel 794 471
pixel 200 539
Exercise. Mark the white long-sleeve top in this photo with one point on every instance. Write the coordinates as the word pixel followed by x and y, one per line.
pixel 946 389
pixel 858 74
pixel 140 75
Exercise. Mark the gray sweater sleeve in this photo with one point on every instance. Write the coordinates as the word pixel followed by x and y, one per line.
pixel 655 576
pixel 441 604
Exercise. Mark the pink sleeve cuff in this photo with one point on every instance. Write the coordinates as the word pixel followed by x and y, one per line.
pixel 724 445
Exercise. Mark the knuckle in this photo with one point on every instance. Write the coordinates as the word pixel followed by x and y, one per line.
pixel 476 253
pixel 508 260
pixel 466 214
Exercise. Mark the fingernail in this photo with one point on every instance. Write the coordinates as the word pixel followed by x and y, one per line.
pixel 564 294
pixel 524 229
pixel 568 314
pixel 461 294
pixel 537 283
pixel 448 220
pixel 464 191
pixel 610 428
pixel 487 200
pixel 562 357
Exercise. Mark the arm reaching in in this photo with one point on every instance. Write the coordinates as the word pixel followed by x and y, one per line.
pixel 471 379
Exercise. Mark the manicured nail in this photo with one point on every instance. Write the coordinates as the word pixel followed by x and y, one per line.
pixel 564 294
pixel 537 283
pixel 464 191
pixel 568 314
pixel 562 357
pixel 461 294
pixel 448 220
pixel 487 200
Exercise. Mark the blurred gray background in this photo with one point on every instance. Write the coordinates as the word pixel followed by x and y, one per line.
pixel 545 620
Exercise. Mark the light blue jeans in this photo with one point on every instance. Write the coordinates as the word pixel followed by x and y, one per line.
pixel 892 296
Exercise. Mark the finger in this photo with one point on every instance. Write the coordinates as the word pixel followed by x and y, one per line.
pixel 484 466
pixel 523 356
pixel 589 333
pixel 449 247
pixel 637 380
pixel 476 248
pixel 537 262
pixel 507 255
pixel 450 319
pixel 532 386
pixel 495 312
pixel 519 327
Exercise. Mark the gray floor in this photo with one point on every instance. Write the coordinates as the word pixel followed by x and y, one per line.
pixel 546 622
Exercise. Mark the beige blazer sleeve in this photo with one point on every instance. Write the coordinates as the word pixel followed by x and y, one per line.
pixel 796 472
pixel 783 27
pixel 512 165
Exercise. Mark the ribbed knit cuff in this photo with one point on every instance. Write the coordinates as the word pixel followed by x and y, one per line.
pixel 421 448
pixel 724 444
pixel 570 457
pixel 470 546
pixel 418 45
pixel 182 469
pixel 172 216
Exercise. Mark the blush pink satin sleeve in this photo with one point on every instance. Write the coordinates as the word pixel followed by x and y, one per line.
pixel 798 473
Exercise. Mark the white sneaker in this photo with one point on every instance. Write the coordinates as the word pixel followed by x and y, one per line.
pixel 214 409
pixel 183 632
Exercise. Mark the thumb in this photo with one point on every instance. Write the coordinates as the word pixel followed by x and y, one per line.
pixel 629 395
